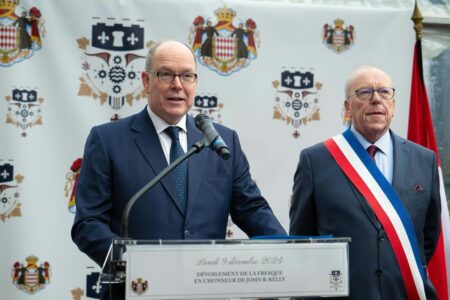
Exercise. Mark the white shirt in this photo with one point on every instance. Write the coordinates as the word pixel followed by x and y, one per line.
pixel 384 157
pixel 164 138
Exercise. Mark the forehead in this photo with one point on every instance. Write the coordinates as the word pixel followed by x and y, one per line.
pixel 371 77
pixel 173 55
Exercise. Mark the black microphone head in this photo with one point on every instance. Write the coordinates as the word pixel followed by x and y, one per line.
pixel 200 118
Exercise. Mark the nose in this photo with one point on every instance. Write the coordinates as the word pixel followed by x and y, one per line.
pixel 176 82
pixel 376 97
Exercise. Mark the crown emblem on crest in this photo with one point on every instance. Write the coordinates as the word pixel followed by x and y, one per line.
pixel 225 14
pixel 338 22
pixel 31 260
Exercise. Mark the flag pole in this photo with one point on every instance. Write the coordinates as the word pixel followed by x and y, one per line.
pixel 417 18
pixel 420 131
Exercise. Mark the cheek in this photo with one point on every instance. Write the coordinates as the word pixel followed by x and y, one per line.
pixel 190 93
pixel 355 110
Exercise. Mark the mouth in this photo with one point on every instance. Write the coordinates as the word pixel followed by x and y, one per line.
pixel 376 113
pixel 175 99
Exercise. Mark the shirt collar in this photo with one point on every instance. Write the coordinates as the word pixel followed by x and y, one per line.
pixel 161 125
pixel 383 143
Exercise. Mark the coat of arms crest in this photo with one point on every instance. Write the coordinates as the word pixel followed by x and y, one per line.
pixel 338 38
pixel 222 46
pixel 31 278
pixel 21 32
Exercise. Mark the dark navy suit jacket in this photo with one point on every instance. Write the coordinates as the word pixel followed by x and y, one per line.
pixel 122 156
pixel 326 202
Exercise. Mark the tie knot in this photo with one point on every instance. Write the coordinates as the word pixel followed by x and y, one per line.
pixel 173 132
pixel 372 149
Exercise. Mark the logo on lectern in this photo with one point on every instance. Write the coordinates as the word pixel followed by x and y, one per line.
pixel 336 279
pixel 139 286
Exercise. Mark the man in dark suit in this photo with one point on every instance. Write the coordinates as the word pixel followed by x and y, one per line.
pixel 328 200
pixel 122 156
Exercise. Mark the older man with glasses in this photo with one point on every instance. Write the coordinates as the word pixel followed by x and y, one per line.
pixel 375 187
pixel 122 156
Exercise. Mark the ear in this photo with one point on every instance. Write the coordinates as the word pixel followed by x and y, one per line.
pixel 393 108
pixel 145 77
pixel 347 108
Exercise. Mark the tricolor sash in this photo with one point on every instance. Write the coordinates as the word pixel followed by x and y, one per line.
pixel 362 171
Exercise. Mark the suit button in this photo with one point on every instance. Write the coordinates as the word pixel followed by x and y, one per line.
pixel 187 233
pixel 381 239
pixel 378 273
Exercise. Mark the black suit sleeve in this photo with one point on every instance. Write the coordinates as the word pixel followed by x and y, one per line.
pixel 250 210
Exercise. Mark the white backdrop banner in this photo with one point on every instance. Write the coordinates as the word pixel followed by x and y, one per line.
pixel 274 72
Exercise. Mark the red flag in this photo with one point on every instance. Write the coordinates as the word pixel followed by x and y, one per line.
pixel 420 131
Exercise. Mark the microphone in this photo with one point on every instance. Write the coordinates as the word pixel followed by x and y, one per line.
pixel 204 123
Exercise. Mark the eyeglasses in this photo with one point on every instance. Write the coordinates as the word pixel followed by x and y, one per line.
pixel 169 76
pixel 366 94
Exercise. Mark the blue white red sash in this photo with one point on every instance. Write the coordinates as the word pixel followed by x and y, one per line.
pixel 362 171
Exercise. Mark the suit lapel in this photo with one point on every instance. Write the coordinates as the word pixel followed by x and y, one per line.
pixel 147 141
pixel 196 164
pixel 365 206
pixel 401 162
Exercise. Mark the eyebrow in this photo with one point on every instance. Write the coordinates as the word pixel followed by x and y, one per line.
pixel 168 69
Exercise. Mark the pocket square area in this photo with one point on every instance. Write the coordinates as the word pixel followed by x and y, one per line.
pixel 417 187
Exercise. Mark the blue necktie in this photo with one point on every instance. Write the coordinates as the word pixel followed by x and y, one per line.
pixel 179 174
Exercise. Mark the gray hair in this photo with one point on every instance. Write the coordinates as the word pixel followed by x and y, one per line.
pixel 355 73
pixel 152 49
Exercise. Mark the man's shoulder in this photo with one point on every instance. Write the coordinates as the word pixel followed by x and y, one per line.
pixel 411 146
pixel 118 124
pixel 222 128
pixel 318 147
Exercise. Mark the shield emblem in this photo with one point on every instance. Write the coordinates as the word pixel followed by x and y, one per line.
pixel 223 49
pixel 338 38
pixel 8 36
pixel 31 280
